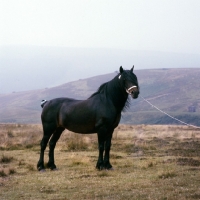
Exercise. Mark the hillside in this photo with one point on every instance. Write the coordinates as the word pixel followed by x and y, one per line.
pixel 172 90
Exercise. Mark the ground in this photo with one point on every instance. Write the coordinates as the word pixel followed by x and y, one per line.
pixel 150 162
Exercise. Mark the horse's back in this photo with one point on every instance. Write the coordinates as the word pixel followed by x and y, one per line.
pixel 52 108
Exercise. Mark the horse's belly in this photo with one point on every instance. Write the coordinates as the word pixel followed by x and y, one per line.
pixel 80 124
pixel 81 128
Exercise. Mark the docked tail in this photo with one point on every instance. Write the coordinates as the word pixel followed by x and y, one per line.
pixel 43 103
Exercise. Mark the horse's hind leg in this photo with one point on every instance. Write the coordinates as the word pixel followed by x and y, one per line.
pixel 52 144
pixel 48 131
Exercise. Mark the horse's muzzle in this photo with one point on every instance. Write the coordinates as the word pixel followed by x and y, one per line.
pixel 135 94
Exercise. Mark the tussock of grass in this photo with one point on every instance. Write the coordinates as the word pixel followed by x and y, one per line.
pixel 10 134
pixel 12 171
pixel 77 144
pixel 30 167
pixel 168 174
pixel 150 164
pixel 116 156
pixel 2 173
pixel 6 159
pixel 103 173
pixel 5 168
pixel 76 160
pixel 21 162
pixel 7 171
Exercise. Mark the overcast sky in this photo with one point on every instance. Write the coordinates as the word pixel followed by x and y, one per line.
pixel 98 36
pixel 161 25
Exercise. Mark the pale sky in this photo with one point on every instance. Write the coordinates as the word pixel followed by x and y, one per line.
pixel 160 25
pixel 83 38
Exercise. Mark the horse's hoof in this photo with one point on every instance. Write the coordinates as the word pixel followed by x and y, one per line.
pixel 100 168
pixel 42 170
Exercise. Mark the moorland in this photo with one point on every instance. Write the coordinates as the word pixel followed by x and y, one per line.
pixel 174 91
pixel 150 162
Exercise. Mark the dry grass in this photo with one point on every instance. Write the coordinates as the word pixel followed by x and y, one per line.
pixel 150 162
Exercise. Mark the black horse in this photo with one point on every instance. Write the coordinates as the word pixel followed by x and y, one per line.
pixel 100 114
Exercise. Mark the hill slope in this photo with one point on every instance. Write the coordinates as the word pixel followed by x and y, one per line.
pixel 175 91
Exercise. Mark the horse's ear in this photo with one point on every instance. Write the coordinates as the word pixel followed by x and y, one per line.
pixel 121 70
pixel 132 68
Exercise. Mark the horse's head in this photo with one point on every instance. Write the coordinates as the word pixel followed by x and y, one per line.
pixel 129 81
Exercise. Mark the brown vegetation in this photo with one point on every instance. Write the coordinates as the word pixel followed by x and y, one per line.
pixel 150 162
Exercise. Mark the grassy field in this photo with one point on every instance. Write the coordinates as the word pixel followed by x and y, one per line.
pixel 150 162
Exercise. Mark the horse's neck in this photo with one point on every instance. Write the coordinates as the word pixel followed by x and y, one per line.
pixel 117 94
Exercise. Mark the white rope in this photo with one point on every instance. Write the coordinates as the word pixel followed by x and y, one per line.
pixel 168 114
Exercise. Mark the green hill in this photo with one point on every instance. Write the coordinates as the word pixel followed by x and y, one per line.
pixel 175 91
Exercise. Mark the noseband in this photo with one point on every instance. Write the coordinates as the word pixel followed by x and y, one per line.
pixel 131 89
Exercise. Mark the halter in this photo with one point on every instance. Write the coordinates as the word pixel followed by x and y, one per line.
pixel 131 89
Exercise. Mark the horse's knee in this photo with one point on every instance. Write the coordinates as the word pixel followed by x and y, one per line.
pixel 43 145
pixel 108 144
pixel 52 145
pixel 101 147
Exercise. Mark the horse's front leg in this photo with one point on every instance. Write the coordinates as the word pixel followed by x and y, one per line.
pixel 100 162
pixel 107 164
pixel 104 141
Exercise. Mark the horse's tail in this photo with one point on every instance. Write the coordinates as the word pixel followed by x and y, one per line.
pixel 43 103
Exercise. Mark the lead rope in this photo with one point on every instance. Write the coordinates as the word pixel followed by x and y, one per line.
pixel 168 114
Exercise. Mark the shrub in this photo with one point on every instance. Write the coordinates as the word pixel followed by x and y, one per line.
pixel 77 143
pixel 168 174
pixel 2 173
pixel 6 159
pixel 12 171
pixel 30 167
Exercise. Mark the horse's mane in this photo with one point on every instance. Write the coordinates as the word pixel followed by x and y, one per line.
pixel 101 89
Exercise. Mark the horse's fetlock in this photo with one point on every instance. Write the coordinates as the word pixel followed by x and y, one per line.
pixel 51 165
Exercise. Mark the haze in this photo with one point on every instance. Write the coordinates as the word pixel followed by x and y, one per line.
pixel 46 43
